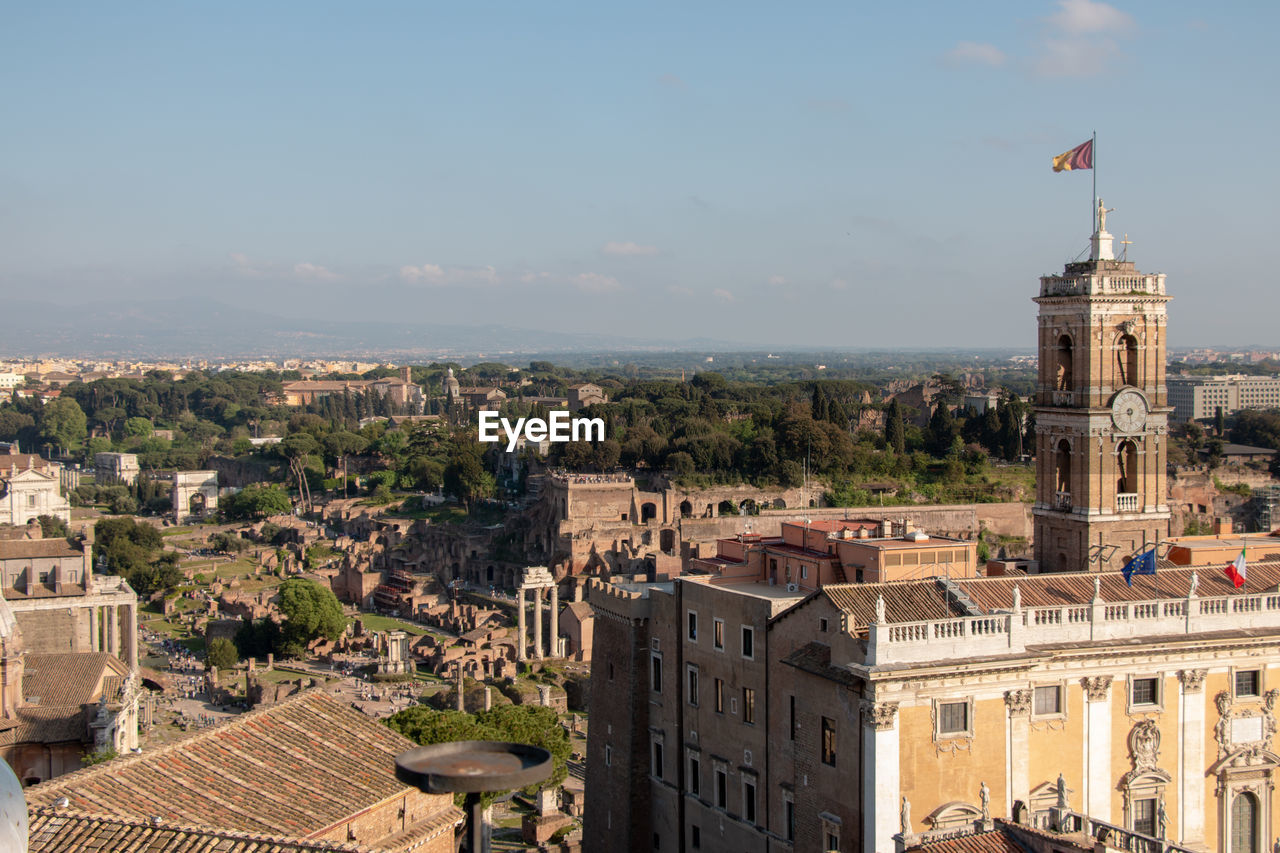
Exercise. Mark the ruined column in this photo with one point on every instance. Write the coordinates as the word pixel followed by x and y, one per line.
pixel 131 637
pixel 113 631
pixel 537 624
pixel 555 621
pixel 462 705
pixel 488 698
pixel 95 640
pixel 520 626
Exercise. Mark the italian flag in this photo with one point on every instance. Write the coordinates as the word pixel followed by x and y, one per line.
pixel 1236 569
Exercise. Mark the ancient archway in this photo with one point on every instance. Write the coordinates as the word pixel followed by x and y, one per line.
pixel 686 509
pixel 186 486
pixel 648 512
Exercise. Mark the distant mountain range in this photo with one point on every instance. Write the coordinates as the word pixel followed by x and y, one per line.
pixel 208 329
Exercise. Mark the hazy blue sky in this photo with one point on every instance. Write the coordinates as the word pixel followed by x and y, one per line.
pixel 844 174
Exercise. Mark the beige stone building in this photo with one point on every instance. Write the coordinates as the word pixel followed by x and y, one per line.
pixel 29 488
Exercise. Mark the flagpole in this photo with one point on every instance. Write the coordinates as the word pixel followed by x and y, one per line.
pixel 1093 214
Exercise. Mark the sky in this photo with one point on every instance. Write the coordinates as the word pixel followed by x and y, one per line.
pixel 801 174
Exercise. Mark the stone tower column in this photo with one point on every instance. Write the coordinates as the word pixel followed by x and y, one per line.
pixel 555 622
pixel 520 626
pixel 881 782
pixel 94 638
pixel 113 631
pixel 131 637
pixel 537 624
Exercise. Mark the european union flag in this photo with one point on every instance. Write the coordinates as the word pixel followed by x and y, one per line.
pixel 1140 564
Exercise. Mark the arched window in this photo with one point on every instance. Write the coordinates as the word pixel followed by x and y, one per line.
pixel 1244 824
pixel 1127 360
pixel 1062 378
pixel 1062 468
pixel 1127 470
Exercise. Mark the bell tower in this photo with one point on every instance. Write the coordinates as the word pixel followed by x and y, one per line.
pixel 1101 411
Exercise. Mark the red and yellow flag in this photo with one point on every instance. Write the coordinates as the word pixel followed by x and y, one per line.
pixel 1080 157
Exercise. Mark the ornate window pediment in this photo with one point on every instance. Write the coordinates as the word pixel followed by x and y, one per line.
pixel 953 814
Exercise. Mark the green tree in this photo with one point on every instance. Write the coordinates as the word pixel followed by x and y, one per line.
pixel 52 527
pixel 311 611
pixel 138 427
pixel 895 433
pixel 221 653
pixel 257 502
pixel 942 430
pixel 63 424
pixel 466 479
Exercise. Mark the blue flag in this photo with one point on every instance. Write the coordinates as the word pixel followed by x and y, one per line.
pixel 1139 564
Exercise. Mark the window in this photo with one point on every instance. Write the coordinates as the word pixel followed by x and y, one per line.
pixel 718 637
pixel 804 572
pixel 1048 700
pixel 611 670
pixel 822 625
pixel 44 577
pixel 657 841
pixel 792 720
pixel 1144 816
pixel 695 837
pixel 1146 691
pixel 1244 824
pixel 693 686
pixel 693 626
pixel 789 818
pixel 828 741
pixel 833 841
pixel 953 718
pixel 749 800
pixel 31 500
pixel 657 759
pixel 695 783
pixel 719 696
pixel 748 705
pixel 655 670
pixel 608 756
pixel 748 641
pixel 722 788
pixel 1248 682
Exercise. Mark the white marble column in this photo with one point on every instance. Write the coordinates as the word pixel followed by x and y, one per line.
pixel 131 636
pixel 537 624
pixel 1018 704
pixel 95 640
pixel 1098 783
pixel 520 629
pixel 113 631
pixel 555 622
pixel 1191 724
pixel 881 783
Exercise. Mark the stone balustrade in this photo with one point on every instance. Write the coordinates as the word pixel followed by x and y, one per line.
pixel 1011 632
pixel 1127 502
pixel 1062 500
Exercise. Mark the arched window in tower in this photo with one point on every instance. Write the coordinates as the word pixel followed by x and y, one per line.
pixel 1244 823
pixel 1127 499
pixel 1127 360
pixel 1062 470
pixel 1063 379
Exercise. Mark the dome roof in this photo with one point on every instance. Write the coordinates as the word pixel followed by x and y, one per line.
pixel 13 810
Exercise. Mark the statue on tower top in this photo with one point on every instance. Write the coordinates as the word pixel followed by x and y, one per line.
pixel 1103 210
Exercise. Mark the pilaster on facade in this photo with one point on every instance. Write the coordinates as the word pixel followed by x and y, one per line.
pixel 1191 755
pixel 882 783
pixel 1097 747
pixel 1018 703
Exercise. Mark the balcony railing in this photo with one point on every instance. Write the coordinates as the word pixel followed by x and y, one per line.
pixel 1062 501
pixel 1127 502
pixel 1011 632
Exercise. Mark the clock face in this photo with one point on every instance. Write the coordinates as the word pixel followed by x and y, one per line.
pixel 1129 411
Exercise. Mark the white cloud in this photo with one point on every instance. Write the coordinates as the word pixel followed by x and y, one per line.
pixel 678 290
pixel 594 282
pixel 1082 17
pixel 436 274
pixel 313 272
pixel 530 277
pixel 723 295
pixel 628 248
pixel 244 266
pixel 976 53
pixel 777 280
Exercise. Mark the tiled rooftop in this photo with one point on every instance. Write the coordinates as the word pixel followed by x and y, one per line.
pixel 293 769
pixel 54 831
pixel 68 679
pixel 905 601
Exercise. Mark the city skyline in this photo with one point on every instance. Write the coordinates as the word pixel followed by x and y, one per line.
pixel 728 173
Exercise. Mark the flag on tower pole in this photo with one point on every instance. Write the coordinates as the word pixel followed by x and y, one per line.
pixel 1236 569
pixel 1139 564
pixel 1080 157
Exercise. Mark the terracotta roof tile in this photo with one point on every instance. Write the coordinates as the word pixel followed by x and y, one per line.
pixel 69 679
pixel 25 549
pixel 905 601
pixel 55 831
pixel 292 769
